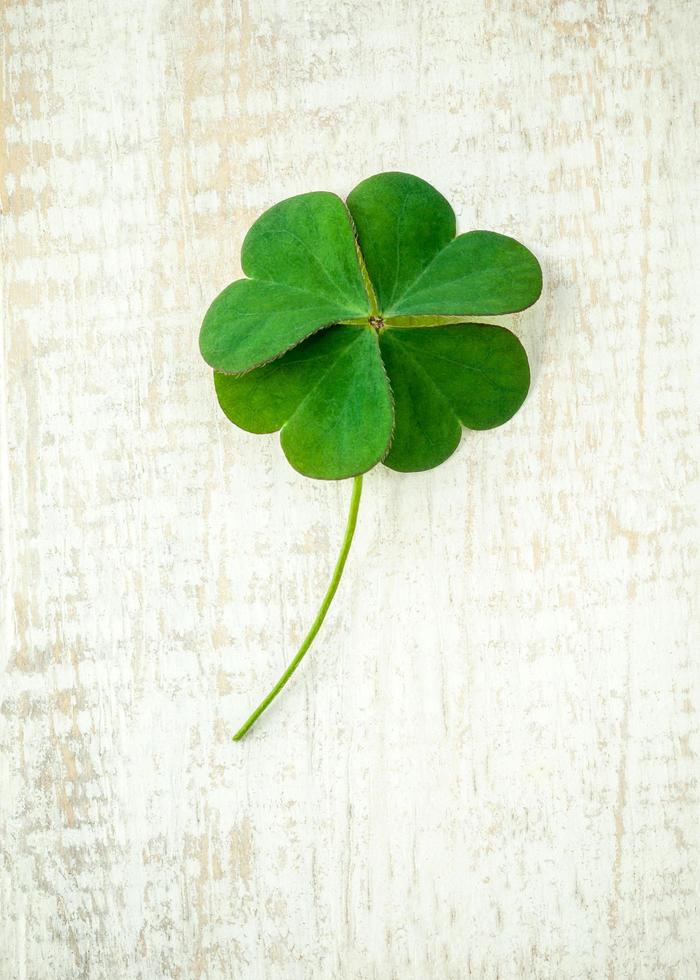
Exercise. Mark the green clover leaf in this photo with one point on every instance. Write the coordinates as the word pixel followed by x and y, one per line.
pixel 327 340
pixel 346 335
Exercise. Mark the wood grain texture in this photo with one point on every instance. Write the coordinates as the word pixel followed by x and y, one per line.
pixel 488 766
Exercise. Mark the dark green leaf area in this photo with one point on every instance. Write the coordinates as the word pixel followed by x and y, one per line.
pixel 307 242
pixel 426 429
pixel 343 427
pixel 330 396
pixel 402 223
pixel 481 370
pixel 264 399
pixel 252 322
pixel 302 260
pixel 480 273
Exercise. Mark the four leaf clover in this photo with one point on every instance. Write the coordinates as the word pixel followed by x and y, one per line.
pixel 346 335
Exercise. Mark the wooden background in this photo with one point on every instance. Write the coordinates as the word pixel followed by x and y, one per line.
pixel 488 766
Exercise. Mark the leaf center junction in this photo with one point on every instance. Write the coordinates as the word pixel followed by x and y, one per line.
pixel 377 322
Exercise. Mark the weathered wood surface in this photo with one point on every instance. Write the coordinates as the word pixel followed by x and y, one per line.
pixel 488 766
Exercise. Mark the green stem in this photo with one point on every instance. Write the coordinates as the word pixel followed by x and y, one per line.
pixel 321 615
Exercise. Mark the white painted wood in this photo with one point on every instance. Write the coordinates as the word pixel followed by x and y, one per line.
pixel 488 766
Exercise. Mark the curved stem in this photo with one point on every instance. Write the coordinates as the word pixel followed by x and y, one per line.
pixel 321 615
